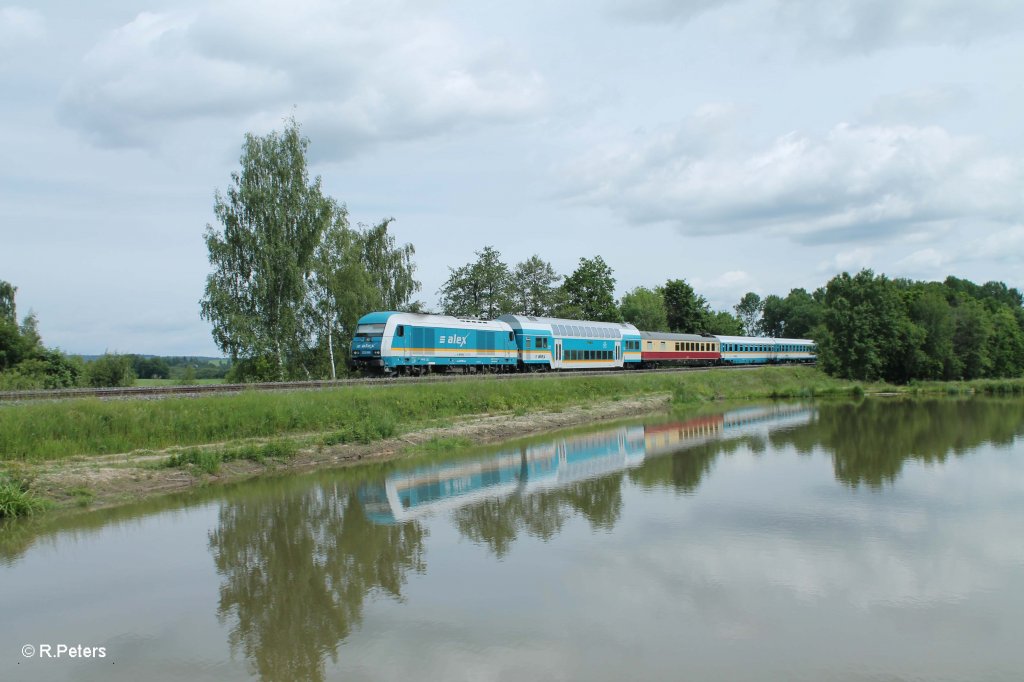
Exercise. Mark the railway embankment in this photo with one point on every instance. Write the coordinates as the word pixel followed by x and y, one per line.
pixel 91 452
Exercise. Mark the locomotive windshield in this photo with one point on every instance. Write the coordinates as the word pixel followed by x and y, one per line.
pixel 369 331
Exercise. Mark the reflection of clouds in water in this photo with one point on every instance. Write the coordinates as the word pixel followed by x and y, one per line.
pixel 453 652
pixel 914 547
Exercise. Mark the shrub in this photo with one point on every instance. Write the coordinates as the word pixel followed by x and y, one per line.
pixel 17 500
pixel 108 371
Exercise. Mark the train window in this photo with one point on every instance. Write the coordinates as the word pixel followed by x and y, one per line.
pixel 511 336
pixel 400 331
pixel 529 341
pixel 662 345
pixel 370 331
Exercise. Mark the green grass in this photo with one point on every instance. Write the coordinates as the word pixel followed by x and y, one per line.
pixel 208 460
pixel 17 500
pixel 439 446
pixel 43 431
pixel 177 382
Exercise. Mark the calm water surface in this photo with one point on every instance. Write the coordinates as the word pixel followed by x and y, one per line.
pixel 882 541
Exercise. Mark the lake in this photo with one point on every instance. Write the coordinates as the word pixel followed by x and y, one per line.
pixel 881 541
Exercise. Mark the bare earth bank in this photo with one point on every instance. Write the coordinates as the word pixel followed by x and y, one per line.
pixel 119 479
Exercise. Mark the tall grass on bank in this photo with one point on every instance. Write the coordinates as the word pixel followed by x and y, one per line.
pixel 208 460
pixel 17 500
pixel 56 430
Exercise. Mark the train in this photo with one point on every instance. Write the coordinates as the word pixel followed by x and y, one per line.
pixel 538 467
pixel 397 343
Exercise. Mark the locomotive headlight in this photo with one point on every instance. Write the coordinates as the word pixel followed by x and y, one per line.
pixel 376 352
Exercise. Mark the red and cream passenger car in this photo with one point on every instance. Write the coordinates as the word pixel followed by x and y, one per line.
pixel 665 349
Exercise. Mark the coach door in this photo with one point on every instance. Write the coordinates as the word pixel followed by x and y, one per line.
pixel 556 359
pixel 618 353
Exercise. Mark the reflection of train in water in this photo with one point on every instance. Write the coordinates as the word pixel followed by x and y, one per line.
pixel 555 464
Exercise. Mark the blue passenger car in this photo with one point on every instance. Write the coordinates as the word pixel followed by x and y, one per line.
pixel 552 343
pixel 411 343
pixel 745 350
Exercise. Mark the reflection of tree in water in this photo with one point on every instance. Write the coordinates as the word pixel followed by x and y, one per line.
pixel 296 570
pixel 16 536
pixel 871 440
pixel 682 470
pixel 498 522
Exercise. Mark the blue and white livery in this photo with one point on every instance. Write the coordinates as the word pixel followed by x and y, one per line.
pixel 553 343
pixel 412 343
pixel 748 350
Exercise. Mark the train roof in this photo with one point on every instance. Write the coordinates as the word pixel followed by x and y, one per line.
pixel 614 329
pixel 764 340
pixel 668 336
pixel 429 320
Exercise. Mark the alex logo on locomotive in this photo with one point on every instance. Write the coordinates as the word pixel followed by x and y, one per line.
pixel 417 343
pixel 454 340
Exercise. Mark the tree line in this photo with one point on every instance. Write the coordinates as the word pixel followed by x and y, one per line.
pixel 290 277
pixel 27 364
pixel 488 288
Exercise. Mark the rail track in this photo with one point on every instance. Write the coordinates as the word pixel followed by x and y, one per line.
pixel 151 392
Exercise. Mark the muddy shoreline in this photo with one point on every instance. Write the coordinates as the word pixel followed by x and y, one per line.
pixel 112 480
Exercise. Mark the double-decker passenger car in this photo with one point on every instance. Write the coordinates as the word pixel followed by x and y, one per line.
pixel 552 343
pixel 739 350
pixel 666 349
pixel 410 343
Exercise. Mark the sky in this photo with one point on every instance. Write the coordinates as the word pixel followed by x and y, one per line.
pixel 742 145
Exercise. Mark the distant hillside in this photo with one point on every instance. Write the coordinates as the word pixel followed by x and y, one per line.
pixel 177 359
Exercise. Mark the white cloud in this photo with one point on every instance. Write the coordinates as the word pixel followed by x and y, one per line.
pixel 925 262
pixel 359 75
pixel 850 260
pixel 921 104
pixel 18 22
pixel 849 26
pixel 867 25
pixel 999 245
pixel 145 74
pixel 660 11
pixel 850 184
pixel 725 289
pixel 19 27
